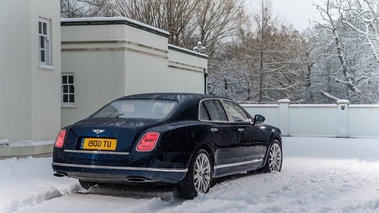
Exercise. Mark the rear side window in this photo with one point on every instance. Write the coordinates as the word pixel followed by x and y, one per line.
pixel 144 109
pixel 215 110
pixel 204 115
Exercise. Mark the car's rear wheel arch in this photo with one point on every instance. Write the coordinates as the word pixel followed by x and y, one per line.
pixel 209 149
pixel 199 176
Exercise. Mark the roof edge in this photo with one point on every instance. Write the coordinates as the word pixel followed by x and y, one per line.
pixel 113 21
pixel 187 51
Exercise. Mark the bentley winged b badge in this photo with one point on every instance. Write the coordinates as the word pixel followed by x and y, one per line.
pixel 98 131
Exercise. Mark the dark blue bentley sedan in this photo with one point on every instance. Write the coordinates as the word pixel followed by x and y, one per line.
pixel 174 138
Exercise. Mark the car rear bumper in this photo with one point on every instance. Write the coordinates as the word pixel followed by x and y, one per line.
pixel 118 174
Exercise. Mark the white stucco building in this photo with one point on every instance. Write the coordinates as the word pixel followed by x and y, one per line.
pixel 30 69
pixel 107 58
pixel 53 75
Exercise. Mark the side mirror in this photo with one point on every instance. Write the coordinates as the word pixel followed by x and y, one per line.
pixel 258 119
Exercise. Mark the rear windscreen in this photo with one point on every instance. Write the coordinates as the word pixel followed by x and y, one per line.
pixel 144 109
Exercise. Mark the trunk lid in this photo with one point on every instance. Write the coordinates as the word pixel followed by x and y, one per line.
pixel 123 132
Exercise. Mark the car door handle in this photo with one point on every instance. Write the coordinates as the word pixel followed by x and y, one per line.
pixel 214 129
pixel 241 129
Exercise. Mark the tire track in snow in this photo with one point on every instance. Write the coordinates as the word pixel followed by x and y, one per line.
pixel 39 197
pixel 321 188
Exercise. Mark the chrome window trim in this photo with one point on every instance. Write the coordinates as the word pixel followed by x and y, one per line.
pixel 96 152
pixel 121 168
pixel 230 120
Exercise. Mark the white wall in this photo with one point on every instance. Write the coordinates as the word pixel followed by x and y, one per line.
pixel 331 120
pixel 15 73
pixel 29 108
pixel 313 120
pixel 123 57
pixel 45 100
pixel 146 66
pixel 188 69
pixel 98 79
pixel 269 111
pixel 363 120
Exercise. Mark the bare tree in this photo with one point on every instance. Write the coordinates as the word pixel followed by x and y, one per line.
pixel 208 21
pixel 266 63
pixel 349 48
pixel 363 17
pixel 277 52
pixel 71 9
pixel 265 23
pixel 218 19
pixel 172 15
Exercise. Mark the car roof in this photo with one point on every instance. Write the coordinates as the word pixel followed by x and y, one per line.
pixel 180 97
pixel 187 102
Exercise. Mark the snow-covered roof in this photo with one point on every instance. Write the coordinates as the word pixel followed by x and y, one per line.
pixel 187 51
pixel 112 20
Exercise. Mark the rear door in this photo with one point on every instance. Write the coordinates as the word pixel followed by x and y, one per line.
pixel 220 132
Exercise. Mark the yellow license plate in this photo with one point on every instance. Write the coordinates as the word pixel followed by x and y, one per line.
pixel 99 144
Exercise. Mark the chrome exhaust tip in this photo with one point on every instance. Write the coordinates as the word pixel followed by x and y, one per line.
pixel 137 180
pixel 60 174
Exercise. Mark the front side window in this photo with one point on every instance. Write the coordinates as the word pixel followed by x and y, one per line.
pixel 236 112
pixel 68 89
pixel 44 37
pixel 137 108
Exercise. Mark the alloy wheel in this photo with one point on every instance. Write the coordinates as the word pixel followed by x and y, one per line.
pixel 202 173
pixel 275 157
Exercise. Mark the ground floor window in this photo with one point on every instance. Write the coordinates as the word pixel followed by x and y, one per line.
pixel 68 89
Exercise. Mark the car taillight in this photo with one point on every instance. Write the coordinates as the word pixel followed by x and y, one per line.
pixel 60 139
pixel 148 142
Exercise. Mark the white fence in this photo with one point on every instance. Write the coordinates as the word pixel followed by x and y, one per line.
pixel 332 120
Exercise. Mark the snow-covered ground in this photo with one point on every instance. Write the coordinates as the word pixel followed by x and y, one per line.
pixel 318 175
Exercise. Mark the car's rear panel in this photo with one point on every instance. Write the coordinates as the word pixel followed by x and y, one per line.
pixel 120 139
pixel 112 165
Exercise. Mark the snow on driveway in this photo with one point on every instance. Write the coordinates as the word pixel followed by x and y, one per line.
pixel 318 175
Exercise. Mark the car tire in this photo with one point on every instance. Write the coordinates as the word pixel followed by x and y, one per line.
pixel 274 159
pixel 86 184
pixel 199 176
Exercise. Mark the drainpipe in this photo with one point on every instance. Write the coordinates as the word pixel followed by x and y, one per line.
pixel 205 81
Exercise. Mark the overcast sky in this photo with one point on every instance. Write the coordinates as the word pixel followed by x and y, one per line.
pixel 295 12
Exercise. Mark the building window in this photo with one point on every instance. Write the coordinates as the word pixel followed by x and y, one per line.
pixel 44 37
pixel 68 89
